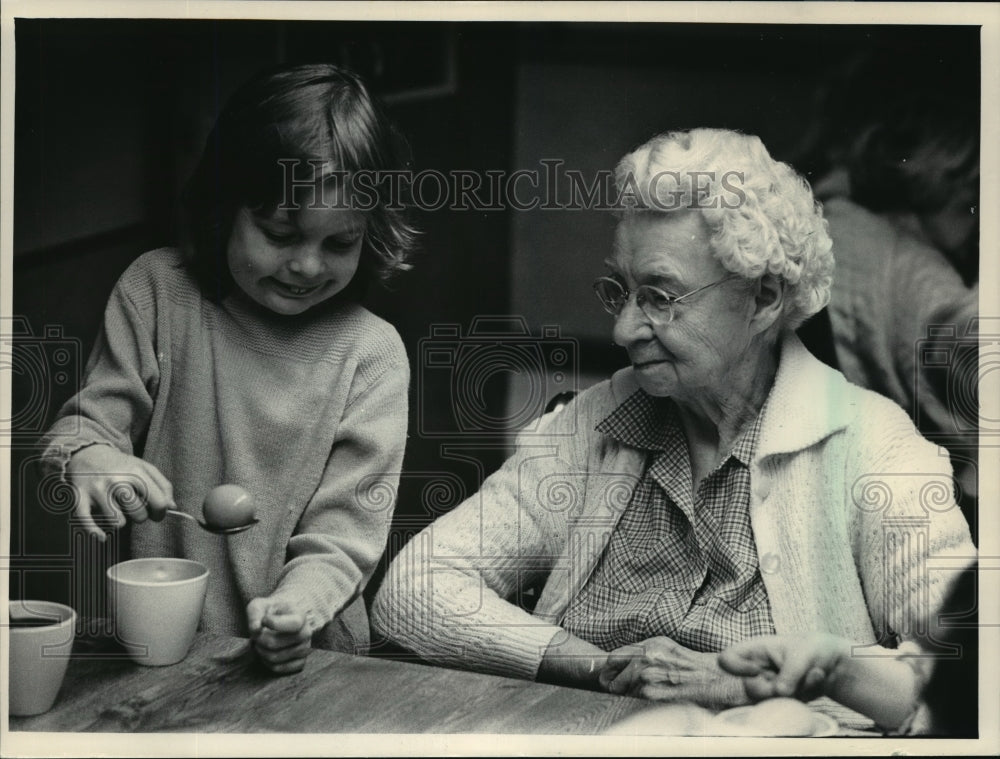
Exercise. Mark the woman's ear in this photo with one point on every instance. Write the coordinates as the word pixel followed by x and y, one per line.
pixel 769 301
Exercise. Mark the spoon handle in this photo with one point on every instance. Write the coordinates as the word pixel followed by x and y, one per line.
pixel 184 514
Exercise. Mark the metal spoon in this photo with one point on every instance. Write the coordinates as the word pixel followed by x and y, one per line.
pixel 213 529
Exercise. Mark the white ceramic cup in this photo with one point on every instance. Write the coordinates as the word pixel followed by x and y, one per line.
pixel 157 604
pixel 38 654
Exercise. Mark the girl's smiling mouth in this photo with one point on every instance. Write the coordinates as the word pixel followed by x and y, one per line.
pixel 294 291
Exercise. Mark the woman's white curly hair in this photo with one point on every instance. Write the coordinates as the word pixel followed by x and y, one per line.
pixel 761 215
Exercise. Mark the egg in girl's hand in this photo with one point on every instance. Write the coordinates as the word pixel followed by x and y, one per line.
pixel 228 506
pixel 772 717
pixel 783 716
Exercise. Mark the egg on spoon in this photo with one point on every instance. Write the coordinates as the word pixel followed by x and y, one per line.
pixel 227 507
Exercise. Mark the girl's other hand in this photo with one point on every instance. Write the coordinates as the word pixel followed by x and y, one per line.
pixel 281 634
pixel 803 666
pixel 114 485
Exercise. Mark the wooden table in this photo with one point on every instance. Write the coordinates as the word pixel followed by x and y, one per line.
pixel 220 694
pixel 220 688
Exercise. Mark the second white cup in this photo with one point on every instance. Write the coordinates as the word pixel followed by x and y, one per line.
pixel 41 639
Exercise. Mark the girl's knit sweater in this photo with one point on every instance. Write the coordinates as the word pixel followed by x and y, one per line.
pixel 307 413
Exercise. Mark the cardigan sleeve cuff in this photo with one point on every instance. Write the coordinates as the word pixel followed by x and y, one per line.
pixel 510 645
pixel 509 651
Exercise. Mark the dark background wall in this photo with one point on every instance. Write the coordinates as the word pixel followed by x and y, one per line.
pixel 111 115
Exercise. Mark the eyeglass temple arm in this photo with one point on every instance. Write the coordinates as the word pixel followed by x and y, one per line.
pixel 705 287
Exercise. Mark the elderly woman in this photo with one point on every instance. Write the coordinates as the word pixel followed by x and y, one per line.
pixel 726 485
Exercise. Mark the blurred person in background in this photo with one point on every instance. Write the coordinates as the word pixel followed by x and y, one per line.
pixel 894 157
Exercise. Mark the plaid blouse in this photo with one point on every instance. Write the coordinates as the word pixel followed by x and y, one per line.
pixel 679 564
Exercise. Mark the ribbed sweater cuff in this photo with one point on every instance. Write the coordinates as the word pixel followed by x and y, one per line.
pixel 316 591
pixel 511 651
pixel 56 457
pixel 511 647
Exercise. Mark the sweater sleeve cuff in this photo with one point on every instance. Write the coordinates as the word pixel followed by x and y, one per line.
pixel 315 591
pixel 518 654
pixel 57 455
pixel 509 649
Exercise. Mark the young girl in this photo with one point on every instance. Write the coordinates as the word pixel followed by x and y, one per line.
pixel 926 689
pixel 247 359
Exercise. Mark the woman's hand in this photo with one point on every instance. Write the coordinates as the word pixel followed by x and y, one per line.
pixel 281 634
pixel 803 666
pixel 113 485
pixel 662 670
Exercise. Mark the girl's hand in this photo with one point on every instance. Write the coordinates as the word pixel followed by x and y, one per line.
pixel 787 665
pixel 114 485
pixel 281 634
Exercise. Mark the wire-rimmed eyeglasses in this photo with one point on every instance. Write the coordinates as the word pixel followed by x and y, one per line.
pixel 657 305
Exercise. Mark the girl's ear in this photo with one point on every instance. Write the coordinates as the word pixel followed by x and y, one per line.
pixel 769 300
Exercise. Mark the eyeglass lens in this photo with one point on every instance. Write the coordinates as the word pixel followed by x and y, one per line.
pixel 652 302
